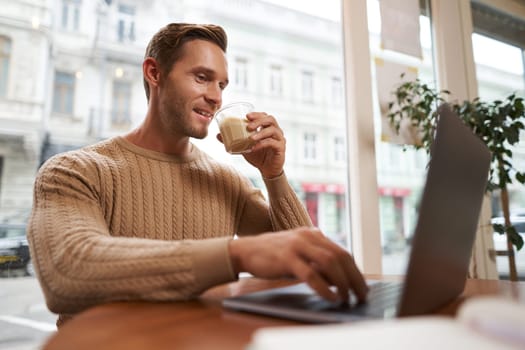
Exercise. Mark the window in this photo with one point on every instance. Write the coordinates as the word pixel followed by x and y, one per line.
pixel 70 14
pixel 310 146
pixel 126 23
pixel 241 73
pixel 339 149
pixel 500 72
pixel 63 93
pixel 395 157
pixel 120 113
pixel 264 61
pixel 307 86
pixel 1 172
pixel 337 91
pixel 499 68
pixel 399 185
pixel 276 80
pixel 5 55
pixel 420 159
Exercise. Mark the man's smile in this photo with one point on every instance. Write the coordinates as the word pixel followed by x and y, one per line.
pixel 203 113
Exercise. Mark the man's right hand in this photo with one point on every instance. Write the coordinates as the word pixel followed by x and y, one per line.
pixel 304 253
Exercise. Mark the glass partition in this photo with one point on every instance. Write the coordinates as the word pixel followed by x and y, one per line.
pixel 500 72
pixel 71 75
pixel 400 170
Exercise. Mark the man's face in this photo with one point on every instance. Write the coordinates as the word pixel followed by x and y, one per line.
pixel 192 91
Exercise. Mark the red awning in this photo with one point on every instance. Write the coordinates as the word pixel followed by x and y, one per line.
pixel 323 188
pixel 394 191
pixel 311 187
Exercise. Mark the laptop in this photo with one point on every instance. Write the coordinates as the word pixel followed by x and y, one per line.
pixel 441 246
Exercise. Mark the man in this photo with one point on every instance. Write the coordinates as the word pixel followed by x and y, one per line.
pixel 149 216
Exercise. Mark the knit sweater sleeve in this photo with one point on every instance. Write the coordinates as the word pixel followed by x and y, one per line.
pixel 79 264
pixel 285 210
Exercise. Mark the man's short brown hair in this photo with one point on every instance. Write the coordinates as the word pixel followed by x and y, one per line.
pixel 166 45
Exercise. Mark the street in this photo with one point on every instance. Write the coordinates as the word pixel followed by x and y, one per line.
pixel 25 321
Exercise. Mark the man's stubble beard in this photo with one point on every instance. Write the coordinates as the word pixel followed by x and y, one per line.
pixel 176 122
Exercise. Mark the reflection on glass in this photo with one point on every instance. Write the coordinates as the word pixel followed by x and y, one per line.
pixel 500 72
pixel 91 86
pixel 5 57
pixel 400 172
pixel 79 80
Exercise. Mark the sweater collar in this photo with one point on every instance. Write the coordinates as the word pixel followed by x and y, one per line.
pixel 194 154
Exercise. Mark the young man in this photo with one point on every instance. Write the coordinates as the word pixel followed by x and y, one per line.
pixel 149 216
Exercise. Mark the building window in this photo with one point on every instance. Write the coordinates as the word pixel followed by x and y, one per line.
pixel 339 149
pixel 1 171
pixel 126 23
pixel 310 146
pixel 5 55
pixel 307 86
pixel 276 80
pixel 241 73
pixel 63 92
pixel 420 159
pixel 71 14
pixel 337 91
pixel 120 113
pixel 395 156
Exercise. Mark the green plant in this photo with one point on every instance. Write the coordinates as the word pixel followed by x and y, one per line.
pixel 497 123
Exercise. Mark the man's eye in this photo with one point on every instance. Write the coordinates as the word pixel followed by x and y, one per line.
pixel 201 77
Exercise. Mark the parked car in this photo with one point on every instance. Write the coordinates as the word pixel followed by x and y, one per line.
pixel 500 243
pixel 14 250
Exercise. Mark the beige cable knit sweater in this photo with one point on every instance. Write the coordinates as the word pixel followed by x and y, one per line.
pixel 114 221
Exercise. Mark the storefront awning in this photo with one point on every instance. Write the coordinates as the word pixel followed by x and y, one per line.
pixel 323 188
pixel 311 187
pixel 394 191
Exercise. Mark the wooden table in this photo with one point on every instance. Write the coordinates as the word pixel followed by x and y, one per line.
pixel 203 323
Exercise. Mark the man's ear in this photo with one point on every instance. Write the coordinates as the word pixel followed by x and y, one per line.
pixel 151 71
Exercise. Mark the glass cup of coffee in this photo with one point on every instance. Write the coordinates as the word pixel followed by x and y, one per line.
pixel 233 127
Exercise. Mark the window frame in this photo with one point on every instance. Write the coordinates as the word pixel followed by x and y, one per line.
pixel 70 15
pixel 307 85
pixel 241 72
pixel 69 92
pixel 126 19
pixel 121 109
pixel 6 45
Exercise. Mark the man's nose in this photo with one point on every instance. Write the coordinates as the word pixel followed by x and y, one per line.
pixel 214 94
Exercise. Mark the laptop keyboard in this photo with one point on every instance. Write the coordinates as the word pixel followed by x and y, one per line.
pixel 299 302
pixel 382 301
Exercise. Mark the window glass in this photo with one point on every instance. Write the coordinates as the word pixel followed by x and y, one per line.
pixel 1 171
pixel 310 146
pixel 120 113
pixel 339 149
pixel 126 23
pixel 5 54
pixel 76 75
pixel 400 177
pixel 276 80
pixel 307 86
pixel 500 72
pixel 337 91
pixel 241 73
pixel 63 93
pixel 70 14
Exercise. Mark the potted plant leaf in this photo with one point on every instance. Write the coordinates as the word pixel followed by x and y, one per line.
pixel 498 123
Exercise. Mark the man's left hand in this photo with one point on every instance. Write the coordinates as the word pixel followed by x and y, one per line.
pixel 268 153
